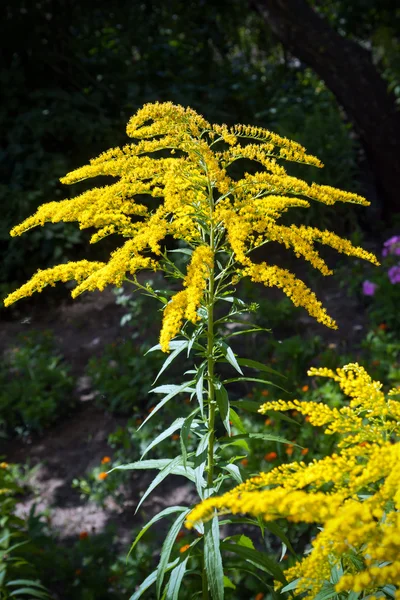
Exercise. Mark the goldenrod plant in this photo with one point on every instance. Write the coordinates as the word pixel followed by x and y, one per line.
pixel 354 493
pixel 177 181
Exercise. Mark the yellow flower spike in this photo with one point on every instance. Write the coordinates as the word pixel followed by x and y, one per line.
pixel 354 493
pixel 192 191
pixel 184 304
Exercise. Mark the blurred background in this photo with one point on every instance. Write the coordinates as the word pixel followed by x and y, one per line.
pixel 73 380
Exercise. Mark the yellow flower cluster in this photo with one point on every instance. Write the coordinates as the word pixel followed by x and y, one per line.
pixel 175 180
pixel 185 303
pixel 354 493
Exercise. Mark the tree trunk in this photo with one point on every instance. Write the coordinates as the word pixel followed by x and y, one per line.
pixel 348 71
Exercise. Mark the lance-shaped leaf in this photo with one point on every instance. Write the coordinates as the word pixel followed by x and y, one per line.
pixel 200 387
pixel 259 559
pixel 185 433
pixel 230 357
pixel 150 580
pixel 164 513
pixel 175 580
pixel 167 548
pixel 213 560
pixel 180 346
pixel 171 391
pixel 177 424
pixel 257 436
pixel 222 399
pixel 200 463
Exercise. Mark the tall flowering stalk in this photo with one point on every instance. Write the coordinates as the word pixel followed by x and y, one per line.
pixel 177 181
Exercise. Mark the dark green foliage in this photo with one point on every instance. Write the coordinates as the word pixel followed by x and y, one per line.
pixel 74 75
pixel 19 575
pixel 35 386
pixel 122 377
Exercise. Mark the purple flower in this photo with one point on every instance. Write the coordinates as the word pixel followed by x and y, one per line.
pixel 369 288
pixel 394 274
pixel 392 246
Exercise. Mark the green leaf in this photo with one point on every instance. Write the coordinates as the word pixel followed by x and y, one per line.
pixel 175 580
pixel 30 590
pixel 200 463
pixel 177 424
pixel 236 421
pixel 150 580
pixel 173 345
pixel 223 405
pixel 291 586
pixel 187 251
pixel 242 540
pixel 234 471
pixel 230 357
pixel 245 331
pixel 153 463
pixel 248 405
pixel 259 559
pixel 28 582
pixel 157 517
pixel 257 436
pixel 256 379
pixel 167 470
pixel 254 364
pixel 213 560
pixel 199 388
pixel 328 591
pixel 278 531
pixel 167 548
pixel 228 583
pixel 181 345
pixel 172 390
pixel 239 444
pixel 185 432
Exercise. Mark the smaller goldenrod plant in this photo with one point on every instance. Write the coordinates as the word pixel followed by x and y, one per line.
pixel 177 181
pixel 354 493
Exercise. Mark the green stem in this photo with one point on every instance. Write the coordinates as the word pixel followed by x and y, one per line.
pixel 211 389
pixel 210 375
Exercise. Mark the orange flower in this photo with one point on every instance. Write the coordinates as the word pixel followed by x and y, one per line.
pixel 376 363
pixel 265 393
pixel 180 535
pixel 382 326
pixel 139 421
pixel 259 596
pixel 307 418
pixel 271 456
pixel 363 444
pixel 78 572
pixel 175 436
pixel 304 451
pixel 295 413
pixel 289 450
pixel 305 388
pixel 268 422
pixel 244 462
pixel 102 476
pixel 184 548
pixel 250 395
pixel 83 535
pixel 105 460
